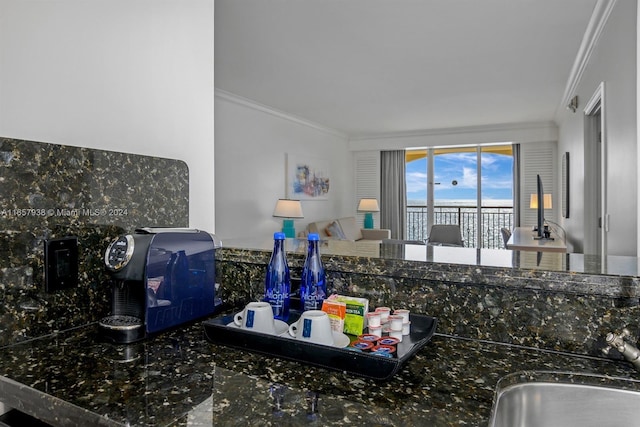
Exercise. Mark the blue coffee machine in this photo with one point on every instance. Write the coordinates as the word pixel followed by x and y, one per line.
pixel 161 278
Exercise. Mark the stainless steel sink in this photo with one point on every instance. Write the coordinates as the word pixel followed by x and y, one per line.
pixel 544 399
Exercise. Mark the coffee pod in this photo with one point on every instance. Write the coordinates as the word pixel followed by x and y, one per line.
pixel 402 312
pixel 368 337
pixel 406 328
pixel 395 323
pixel 396 334
pixel 375 330
pixel 384 348
pixel 384 313
pixel 388 341
pixel 363 345
pixel 374 319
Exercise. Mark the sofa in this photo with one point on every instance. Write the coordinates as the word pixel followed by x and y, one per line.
pixel 346 229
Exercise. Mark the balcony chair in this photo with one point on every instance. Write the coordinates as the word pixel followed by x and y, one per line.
pixel 445 235
pixel 506 235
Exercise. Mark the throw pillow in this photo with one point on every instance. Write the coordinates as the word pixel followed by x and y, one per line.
pixel 350 228
pixel 334 230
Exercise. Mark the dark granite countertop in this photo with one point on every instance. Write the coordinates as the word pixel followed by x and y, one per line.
pixel 395 250
pixel 179 378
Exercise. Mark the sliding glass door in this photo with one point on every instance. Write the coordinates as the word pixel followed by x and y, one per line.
pixel 496 206
pixel 468 186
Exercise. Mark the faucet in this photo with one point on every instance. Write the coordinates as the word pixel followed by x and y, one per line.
pixel 628 350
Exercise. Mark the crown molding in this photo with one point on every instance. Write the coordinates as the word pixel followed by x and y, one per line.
pixel 538 127
pixel 507 133
pixel 249 103
pixel 594 30
pixel 459 130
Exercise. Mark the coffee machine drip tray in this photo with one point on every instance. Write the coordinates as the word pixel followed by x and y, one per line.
pixel 121 328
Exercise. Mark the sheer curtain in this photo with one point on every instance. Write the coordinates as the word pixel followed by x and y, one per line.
pixel 393 193
pixel 516 185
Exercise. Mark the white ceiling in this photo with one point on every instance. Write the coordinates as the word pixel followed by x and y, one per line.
pixel 376 66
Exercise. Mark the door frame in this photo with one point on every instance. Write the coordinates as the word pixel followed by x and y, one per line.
pixel 595 156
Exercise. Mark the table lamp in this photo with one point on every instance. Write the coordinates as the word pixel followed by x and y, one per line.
pixel 368 206
pixel 288 209
pixel 533 202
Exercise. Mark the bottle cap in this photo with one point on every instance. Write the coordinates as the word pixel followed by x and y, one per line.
pixel 279 235
pixel 313 236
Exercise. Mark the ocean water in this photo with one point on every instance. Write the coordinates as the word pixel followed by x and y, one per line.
pixel 462 202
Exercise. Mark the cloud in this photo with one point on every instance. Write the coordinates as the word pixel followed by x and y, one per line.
pixel 496 183
pixel 496 176
pixel 416 182
pixel 489 161
pixel 468 179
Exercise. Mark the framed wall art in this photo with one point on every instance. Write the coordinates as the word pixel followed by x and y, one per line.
pixel 308 178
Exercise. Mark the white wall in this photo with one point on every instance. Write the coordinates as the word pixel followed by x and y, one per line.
pixel 251 143
pixel 128 76
pixel 613 61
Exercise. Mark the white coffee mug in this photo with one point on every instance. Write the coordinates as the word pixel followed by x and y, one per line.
pixel 313 326
pixel 256 316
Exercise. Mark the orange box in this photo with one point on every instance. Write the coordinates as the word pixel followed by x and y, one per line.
pixel 336 311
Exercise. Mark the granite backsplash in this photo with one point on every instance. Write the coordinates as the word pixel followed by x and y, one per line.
pixel 553 310
pixel 51 191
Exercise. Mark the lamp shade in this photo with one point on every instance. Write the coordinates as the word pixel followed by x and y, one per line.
pixel 368 205
pixel 286 208
pixel 533 203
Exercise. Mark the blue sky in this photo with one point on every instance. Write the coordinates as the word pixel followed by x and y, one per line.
pixel 497 181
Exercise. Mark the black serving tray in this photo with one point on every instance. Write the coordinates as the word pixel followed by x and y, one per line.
pixel 337 359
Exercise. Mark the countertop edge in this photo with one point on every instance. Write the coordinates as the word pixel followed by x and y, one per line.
pixel 47 407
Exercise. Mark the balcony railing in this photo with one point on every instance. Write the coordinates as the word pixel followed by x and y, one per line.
pixel 492 220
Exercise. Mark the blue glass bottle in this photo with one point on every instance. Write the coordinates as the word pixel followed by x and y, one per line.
pixel 313 287
pixel 277 284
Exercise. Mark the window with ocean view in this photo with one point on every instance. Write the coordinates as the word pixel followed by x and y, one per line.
pixel 448 177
